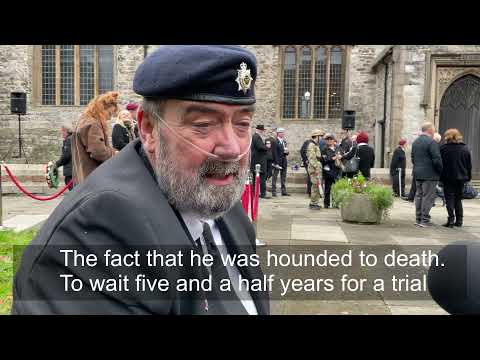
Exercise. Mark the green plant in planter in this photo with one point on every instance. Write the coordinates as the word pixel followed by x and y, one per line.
pixel 342 190
pixel 381 196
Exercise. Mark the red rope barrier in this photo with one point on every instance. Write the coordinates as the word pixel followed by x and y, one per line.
pixel 252 202
pixel 245 199
pixel 39 198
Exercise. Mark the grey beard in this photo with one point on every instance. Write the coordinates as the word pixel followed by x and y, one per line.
pixel 191 192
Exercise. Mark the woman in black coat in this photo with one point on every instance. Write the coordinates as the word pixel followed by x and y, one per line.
pixel 122 132
pixel 364 152
pixel 457 170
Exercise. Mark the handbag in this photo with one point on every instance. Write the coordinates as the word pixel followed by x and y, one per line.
pixel 352 165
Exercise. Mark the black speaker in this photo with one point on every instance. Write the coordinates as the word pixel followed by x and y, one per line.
pixel 348 120
pixel 18 103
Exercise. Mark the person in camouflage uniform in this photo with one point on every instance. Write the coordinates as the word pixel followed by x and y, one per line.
pixel 314 167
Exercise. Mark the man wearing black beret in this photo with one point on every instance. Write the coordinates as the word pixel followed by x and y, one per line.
pixel 178 186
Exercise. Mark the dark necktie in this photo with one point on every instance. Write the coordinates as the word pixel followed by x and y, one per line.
pixel 225 302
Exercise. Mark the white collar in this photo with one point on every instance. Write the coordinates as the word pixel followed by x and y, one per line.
pixel 195 224
pixel 362 144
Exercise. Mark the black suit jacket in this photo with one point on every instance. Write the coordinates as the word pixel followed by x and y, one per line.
pixel 426 159
pixel 278 151
pixel 398 161
pixel 121 206
pixel 259 154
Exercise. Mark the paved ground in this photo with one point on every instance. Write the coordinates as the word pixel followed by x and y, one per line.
pixel 14 205
pixel 22 213
pixel 288 221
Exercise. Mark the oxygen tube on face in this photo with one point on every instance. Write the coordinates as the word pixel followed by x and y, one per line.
pixel 209 154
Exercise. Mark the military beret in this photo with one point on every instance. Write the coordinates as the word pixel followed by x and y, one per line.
pixel 223 74
pixel 132 106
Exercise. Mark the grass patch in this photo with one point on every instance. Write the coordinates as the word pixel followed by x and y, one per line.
pixel 9 239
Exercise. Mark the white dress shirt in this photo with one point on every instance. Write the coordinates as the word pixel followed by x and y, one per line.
pixel 195 227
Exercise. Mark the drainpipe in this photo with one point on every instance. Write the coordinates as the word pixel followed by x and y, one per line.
pixel 145 51
pixel 383 122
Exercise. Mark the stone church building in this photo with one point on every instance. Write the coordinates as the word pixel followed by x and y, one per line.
pixel 392 89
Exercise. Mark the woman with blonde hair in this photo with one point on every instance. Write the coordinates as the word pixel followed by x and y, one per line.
pixel 90 146
pixel 457 170
pixel 123 132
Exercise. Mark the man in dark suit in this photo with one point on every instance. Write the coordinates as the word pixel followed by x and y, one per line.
pixel 259 156
pixel 280 163
pixel 397 169
pixel 427 167
pixel 177 187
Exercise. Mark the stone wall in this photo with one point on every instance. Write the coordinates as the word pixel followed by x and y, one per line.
pixel 362 86
pixel 40 128
pixel 364 94
pixel 407 88
pixel 360 90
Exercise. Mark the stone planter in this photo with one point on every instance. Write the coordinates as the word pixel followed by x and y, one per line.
pixel 360 209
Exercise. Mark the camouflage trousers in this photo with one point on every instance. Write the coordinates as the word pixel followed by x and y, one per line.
pixel 315 197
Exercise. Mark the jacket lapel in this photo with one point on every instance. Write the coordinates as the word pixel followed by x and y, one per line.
pixel 237 242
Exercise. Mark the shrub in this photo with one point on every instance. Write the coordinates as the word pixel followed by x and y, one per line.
pixel 342 190
pixel 381 196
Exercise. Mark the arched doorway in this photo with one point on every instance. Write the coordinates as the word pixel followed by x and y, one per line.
pixel 460 108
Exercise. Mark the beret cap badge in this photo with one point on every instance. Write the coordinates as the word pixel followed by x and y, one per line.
pixel 244 78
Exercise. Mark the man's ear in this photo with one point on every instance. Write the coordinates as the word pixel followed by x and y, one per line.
pixel 148 135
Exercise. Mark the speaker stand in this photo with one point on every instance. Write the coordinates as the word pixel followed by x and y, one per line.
pixel 21 149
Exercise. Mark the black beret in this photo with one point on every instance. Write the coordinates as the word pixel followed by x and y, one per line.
pixel 223 74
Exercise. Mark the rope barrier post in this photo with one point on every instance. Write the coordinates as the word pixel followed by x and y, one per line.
pixel 255 207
